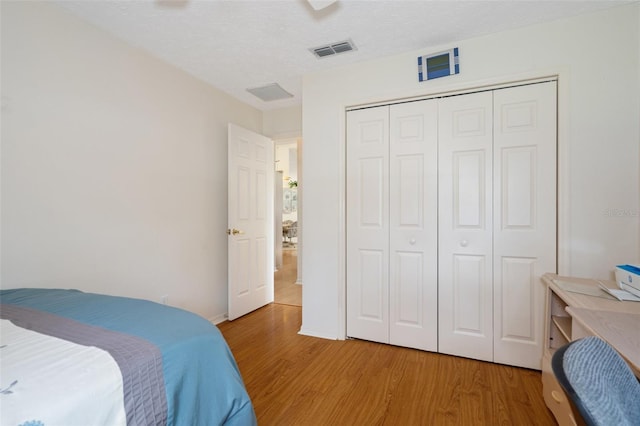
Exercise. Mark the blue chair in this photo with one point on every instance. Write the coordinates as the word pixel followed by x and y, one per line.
pixel 598 382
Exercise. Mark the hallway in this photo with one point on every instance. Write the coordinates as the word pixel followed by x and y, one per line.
pixel 287 292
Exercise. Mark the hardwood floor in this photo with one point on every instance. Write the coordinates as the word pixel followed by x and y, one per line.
pixel 301 380
pixel 284 280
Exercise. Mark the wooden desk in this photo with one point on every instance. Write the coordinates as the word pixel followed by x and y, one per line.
pixel 571 315
pixel 619 329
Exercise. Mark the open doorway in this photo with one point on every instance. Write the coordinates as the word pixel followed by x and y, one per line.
pixel 287 282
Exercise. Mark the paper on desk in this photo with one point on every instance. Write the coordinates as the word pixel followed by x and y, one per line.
pixel 621 295
pixel 581 288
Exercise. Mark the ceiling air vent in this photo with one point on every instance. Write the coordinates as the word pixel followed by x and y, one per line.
pixel 333 49
pixel 270 92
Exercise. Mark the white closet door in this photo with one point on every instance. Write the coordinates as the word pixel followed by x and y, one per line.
pixel 524 218
pixel 368 224
pixel 413 262
pixel 465 229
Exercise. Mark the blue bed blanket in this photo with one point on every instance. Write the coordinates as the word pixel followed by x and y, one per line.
pixel 186 359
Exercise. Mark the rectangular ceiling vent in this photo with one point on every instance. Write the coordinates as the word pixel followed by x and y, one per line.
pixel 333 49
pixel 270 92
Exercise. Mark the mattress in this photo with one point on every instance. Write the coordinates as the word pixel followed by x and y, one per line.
pixel 74 358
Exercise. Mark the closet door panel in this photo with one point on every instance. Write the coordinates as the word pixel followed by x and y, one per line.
pixel 524 218
pixel 413 287
pixel 468 283
pixel 368 224
pixel 469 183
pixel 465 141
pixel 517 316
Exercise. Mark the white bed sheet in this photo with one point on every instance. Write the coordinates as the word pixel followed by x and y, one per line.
pixel 44 380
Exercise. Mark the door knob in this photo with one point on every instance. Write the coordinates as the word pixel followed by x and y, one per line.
pixel 234 231
pixel 412 241
pixel 464 243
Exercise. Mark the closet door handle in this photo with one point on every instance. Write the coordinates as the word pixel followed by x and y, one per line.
pixel 412 241
pixel 464 243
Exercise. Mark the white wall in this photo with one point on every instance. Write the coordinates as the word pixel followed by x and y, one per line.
pixel 597 58
pixel 114 165
pixel 283 123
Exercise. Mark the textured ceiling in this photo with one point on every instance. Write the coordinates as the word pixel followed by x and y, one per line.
pixel 235 45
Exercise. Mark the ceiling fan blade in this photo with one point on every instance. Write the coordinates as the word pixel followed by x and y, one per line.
pixel 320 4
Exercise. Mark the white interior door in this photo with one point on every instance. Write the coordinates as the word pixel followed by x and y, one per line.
pixel 368 224
pixel 524 215
pixel 250 221
pixel 465 226
pixel 413 203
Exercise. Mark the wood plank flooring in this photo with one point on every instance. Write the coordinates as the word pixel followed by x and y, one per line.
pixel 284 280
pixel 301 380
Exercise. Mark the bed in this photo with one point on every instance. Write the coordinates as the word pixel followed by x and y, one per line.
pixel 74 358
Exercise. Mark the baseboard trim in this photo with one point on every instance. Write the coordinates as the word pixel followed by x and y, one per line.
pixel 218 319
pixel 312 333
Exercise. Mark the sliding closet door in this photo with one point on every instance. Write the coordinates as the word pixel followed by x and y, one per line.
pixel 413 261
pixel 368 224
pixel 465 240
pixel 524 218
